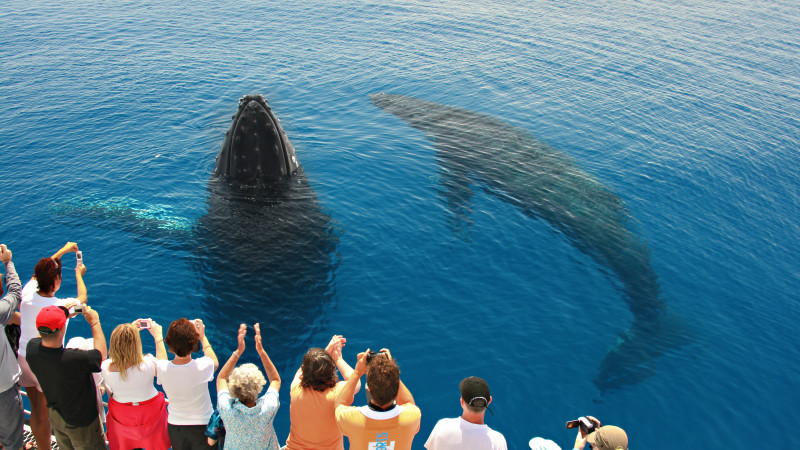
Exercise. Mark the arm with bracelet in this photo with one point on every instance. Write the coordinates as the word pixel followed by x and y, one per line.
pixel 222 377
pixel 272 373
pixel 207 350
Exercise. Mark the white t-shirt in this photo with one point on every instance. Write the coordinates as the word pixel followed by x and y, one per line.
pixel 29 308
pixel 459 434
pixel 186 387
pixel 138 387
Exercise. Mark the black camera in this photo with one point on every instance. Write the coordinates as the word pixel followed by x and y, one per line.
pixel 372 354
pixel 586 425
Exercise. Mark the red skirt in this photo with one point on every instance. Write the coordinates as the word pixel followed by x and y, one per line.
pixel 138 425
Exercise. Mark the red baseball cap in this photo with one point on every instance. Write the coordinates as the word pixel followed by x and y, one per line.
pixel 51 318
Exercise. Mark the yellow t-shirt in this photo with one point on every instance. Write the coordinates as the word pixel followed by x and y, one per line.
pixel 313 425
pixel 373 430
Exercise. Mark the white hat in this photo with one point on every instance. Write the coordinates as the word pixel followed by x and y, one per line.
pixel 538 443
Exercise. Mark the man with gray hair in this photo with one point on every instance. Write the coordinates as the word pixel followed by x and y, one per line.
pixel 468 431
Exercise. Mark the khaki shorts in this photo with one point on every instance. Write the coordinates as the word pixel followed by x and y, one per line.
pixel 27 379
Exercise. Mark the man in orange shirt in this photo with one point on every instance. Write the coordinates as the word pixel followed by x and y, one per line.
pixel 391 419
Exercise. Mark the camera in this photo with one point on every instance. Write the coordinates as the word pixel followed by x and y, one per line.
pixel 144 324
pixel 78 309
pixel 586 425
pixel 372 354
pixel 78 258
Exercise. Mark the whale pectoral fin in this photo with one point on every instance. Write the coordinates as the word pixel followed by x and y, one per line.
pixel 154 223
pixel 456 191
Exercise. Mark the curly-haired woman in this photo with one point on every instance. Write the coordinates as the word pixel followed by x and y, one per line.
pixel 185 381
pixel 248 417
pixel 313 392
pixel 137 412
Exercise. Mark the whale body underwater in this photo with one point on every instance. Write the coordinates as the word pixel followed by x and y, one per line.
pixel 265 250
pixel 507 161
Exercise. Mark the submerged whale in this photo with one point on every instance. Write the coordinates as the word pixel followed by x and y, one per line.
pixel 264 251
pixel 474 148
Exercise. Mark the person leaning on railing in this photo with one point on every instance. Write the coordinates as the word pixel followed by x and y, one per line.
pixel 607 437
pixel 313 393
pixel 248 417
pixel 10 400
pixel 38 293
pixel 185 381
pixel 66 377
pixel 137 412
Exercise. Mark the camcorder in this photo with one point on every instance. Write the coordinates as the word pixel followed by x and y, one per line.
pixel 372 354
pixel 586 425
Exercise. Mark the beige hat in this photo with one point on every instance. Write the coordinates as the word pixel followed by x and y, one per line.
pixel 609 437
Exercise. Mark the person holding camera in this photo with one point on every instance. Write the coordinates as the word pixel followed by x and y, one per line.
pixel 185 381
pixel 468 431
pixel 248 417
pixel 600 437
pixel 137 412
pixel 38 293
pixel 65 375
pixel 313 393
pixel 390 419
pixel 10 399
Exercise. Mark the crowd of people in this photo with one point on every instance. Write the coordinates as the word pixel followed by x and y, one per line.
pixel 65 385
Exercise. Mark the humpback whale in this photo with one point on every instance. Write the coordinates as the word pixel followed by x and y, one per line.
pixel 264 250
pixel 256 149
pixel 474 148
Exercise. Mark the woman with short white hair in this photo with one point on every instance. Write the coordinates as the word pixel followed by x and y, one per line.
pixel 248 417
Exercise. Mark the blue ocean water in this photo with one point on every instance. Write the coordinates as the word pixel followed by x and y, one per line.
pixel 686 110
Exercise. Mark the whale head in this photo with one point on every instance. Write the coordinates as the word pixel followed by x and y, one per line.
pixel 256 149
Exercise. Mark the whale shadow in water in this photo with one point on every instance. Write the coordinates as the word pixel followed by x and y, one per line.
pixel 546 183
pixel 265 251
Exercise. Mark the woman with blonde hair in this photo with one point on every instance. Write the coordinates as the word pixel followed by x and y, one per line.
pixel 137 412
pixel 248 417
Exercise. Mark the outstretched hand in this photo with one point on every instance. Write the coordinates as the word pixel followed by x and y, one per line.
pixel 69 305
pixel 240 338
pixel 580 439
pixel 155 329
pixel 201 328
pixel 5 253
pixel 361 364
pixel 334 347
pixel 259 347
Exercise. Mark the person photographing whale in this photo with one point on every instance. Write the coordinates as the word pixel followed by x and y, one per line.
pixel 599 437
pixel 39 293
pixel 390 419
pixel 10 400
pixel 65 375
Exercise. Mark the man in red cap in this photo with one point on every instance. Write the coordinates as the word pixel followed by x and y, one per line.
pixel 468 431
pixel 65 375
